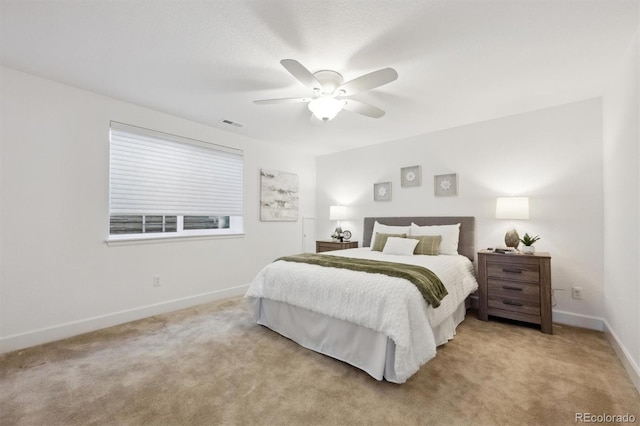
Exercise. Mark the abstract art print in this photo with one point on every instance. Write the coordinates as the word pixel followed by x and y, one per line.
pixel 278 196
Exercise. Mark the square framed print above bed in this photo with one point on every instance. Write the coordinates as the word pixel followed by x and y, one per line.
pixel 382 191
pixel 278 196
pixel 445 185
pixel 410 176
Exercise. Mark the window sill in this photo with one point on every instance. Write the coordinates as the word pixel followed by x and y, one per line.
pixel 153 239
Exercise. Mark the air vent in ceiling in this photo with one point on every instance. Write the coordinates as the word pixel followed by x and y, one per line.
pixel 231 123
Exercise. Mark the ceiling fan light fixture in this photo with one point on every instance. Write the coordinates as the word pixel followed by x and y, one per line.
pixel 326 108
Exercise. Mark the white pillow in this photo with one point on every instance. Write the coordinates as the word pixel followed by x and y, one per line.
pixel 401 246
pixel 387 229
pixel 450 235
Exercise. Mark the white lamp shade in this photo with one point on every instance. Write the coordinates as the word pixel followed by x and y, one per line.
pixel 325 108
pixel 512 208
pixel 338 213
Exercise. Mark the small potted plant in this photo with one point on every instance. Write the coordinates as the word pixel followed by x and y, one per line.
pixel 528 241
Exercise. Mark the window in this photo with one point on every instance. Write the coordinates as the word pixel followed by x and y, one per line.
pixel 163 185
pixel 142 224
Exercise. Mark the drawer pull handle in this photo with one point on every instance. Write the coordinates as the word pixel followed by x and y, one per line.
pixel 512 271
pixel 509 302
pixel 506 287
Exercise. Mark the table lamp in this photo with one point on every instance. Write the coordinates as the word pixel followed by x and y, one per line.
pixel 338 213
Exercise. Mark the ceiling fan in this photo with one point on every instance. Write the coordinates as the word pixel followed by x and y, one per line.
pixel 330 92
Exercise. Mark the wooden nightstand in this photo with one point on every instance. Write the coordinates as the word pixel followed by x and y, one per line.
pixel 328 245
pixel 515 286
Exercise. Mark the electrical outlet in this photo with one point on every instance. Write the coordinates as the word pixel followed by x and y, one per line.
pixel 156 280
pixel 576 292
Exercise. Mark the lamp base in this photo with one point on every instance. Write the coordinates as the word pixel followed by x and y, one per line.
pixel 337 234
pixel 512 239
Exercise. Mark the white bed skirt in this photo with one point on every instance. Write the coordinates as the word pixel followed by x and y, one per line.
pixel 362 347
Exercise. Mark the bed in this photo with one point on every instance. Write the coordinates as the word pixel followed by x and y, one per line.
pixel 377 323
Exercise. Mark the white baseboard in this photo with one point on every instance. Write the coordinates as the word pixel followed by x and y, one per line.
pixel 578 320
pixel 625 357
pixel 601 324
pixel 62 331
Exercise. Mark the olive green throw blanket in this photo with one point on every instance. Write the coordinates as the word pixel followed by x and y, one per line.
pixel 425 280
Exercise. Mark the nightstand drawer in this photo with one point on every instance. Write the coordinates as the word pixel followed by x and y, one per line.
pixel 528 294
pixel 514 305
pixel 322 246
pixel 514 271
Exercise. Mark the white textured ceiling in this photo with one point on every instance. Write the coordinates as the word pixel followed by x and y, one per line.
pixel 459 61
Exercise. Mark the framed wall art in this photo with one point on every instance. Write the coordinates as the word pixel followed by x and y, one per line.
pixel 278 196
pixel 445 185
pixel 410 176
pixel 382 191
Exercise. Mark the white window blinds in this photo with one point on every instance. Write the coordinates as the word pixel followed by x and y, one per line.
pixel 154 173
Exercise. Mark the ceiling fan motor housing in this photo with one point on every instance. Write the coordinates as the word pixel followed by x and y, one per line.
pixel 330 80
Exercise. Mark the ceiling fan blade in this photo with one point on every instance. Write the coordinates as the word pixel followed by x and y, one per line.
pixel 362 108
pixel 368 81
pixel 303 75
pixel 281 101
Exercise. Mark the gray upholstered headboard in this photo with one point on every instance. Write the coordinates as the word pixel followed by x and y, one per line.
pixel 466 244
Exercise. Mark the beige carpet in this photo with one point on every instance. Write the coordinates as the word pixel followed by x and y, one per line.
pixel 212 365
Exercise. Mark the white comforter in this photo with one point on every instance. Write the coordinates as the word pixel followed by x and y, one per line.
pixel 392 306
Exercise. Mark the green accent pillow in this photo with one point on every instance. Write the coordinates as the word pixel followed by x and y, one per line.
pixel 381 239
pixel 428 244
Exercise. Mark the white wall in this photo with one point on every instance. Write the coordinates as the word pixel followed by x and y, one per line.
pixel 58 277
pixel 554 156
pixel 621 157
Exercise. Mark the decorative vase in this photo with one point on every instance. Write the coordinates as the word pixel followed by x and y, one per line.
pixel 528 249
